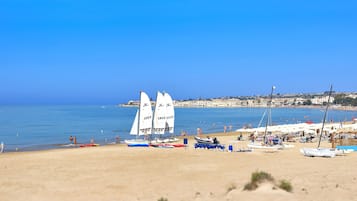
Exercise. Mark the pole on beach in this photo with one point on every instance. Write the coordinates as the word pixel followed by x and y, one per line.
pixel 333 145
pixel 269 113
pixel 323 122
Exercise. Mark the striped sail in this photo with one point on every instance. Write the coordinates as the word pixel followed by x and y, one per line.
pixel 170 114
pixel 142 124
pixel 159 114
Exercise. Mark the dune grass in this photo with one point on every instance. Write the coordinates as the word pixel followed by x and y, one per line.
pixel 259 177
pixel 285 185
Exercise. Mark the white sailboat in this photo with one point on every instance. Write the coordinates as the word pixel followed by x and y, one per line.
pixel 264 145
pixel 321 152
pixel 164 117
pixel 142 124
pixel 170 114
pixel 159 120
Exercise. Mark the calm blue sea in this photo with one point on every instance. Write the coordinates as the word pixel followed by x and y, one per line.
pixel 42 127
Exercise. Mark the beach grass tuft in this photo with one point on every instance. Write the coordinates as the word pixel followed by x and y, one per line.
pixel 250 186
pixel 259 177
pixel 286 185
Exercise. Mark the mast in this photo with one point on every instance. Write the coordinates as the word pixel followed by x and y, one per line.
pixel 323 123
pixel 140 102
pixel 269 113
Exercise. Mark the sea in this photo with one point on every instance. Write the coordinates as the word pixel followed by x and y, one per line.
pixel 37 127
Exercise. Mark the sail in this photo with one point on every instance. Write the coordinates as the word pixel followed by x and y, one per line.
pixel 159 114
pixel 170 113
pixel 134 127
pixel 145 115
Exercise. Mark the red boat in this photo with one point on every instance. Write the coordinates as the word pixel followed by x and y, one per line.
pixel 89 145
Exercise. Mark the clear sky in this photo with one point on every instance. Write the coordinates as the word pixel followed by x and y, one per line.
pixel 83 51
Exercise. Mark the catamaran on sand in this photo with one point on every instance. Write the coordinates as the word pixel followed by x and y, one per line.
pixel 142 124
pixel 160 122
pixel 323 152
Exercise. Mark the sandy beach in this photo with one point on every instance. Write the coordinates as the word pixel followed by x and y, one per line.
pixel 116 172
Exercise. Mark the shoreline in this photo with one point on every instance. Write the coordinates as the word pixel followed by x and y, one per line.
pixel 190 137
pixel 332 107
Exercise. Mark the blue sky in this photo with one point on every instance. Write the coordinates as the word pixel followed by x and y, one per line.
pixel 107 51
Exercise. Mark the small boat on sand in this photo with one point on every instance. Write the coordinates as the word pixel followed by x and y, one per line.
pixel 204 140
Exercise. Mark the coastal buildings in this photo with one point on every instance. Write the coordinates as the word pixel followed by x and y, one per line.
pixel 305 100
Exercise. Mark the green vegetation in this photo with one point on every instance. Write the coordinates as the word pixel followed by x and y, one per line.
pixel 341 99
pixel 286 185
pixel 250 186
pixel 257 178
pixel 260 177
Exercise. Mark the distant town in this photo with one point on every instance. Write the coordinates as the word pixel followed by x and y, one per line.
pixel 346 101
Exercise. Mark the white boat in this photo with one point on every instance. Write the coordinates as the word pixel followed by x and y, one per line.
pixel 264 146
pixel 142 124
pixel 324 152
pixel 159 119
pixel 170 114
pixel 321 152
pixel 164 118
pixel 342 152
pixel 137 143
pixel 204 140
pixel 318 152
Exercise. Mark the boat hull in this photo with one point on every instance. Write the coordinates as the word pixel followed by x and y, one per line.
pixel 204 140
pixel 314 152
pixel 137 143
pixel 89 145
pixel 209 146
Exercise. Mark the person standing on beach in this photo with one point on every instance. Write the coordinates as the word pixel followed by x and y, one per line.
pixel 199 131
pixel 71 139
pixel 2 147
pixel 117 140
